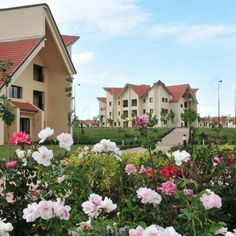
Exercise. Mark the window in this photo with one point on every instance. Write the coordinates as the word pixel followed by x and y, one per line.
pixel 110 103
pixel 151 110
pixel 181 105
pixel 109 113
pixel 15 92
pixel 134 113
pixel 38 73
pixel 134 102
pixel 125 103
pixel 163 99
pixel 166 99
pixel 25 125
pixel 144 100
pixel 150 99
pixel 38 99
pixel 118 113
pixel 185 104
pixel 118 103
pixel 125 114
pixel 144 111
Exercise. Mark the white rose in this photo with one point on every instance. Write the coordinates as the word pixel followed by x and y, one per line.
pixel 108 205
pixel 45 133
pixel 65 141
pixel 43 156
pixel 180 157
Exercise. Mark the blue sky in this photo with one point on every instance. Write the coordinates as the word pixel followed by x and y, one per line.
pixel 143 41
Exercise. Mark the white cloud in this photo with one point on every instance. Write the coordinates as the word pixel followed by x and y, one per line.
pixel 104 16
pixel 82 58
pixel 202 34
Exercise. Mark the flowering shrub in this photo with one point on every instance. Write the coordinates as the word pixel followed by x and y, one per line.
pixel 93 193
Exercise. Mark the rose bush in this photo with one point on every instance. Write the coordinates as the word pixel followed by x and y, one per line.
pixel 100 191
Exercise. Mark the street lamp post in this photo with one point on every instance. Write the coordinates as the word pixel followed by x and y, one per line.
pixel 235 108
pixel 75 100
pixel 219 81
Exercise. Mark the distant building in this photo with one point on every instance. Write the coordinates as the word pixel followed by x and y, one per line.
pixel 225 121
pixel 122 105
pixel 41 59
pixel 89 123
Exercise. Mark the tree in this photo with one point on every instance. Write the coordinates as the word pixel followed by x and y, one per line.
pixel 152 120
pixel 189 116
pixel 6 109
pixel 171 116
pixel 164 115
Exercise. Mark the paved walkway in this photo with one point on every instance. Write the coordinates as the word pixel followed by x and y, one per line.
pixel 174 138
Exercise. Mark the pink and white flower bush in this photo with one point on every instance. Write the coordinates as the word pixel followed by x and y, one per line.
pixel 148 195
pixel 43 156
pixel 95 205
pixel 130 169
pixel 5 228
pixel 46 210
pixel 211 200
pixel 65 141
pixel 45 133
pixel 180 157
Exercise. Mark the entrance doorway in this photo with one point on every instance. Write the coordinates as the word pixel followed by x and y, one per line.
pixel 25 125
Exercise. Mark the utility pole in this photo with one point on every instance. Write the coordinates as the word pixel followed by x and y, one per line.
pixel 75 100
pixel 219 81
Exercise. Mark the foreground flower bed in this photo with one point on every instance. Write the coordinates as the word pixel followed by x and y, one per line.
pixel 100 191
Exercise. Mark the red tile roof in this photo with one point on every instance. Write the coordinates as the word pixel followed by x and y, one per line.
pixel 113 91
pixel 18 51
pixel 102 99
pixel 177 91
pixel 69 39
pixel 139 89
pixel 24 106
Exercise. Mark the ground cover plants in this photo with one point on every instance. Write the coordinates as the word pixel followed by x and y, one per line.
pixel 102 191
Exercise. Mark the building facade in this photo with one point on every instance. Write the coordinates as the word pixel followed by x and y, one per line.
pixel 41 59
pixel 121 106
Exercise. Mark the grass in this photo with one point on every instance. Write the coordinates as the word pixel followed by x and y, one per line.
pixel 129 135
pixel 226 135
pixel 7 151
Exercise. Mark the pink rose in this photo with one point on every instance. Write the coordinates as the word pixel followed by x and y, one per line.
pixel 169 188
pixel 136 232
pixel 10 164
pixel 19 138
pixel 142 170
pixel 188 192
pixel 142 121
pixel 211 200
pixel 216 160
pixel 130 168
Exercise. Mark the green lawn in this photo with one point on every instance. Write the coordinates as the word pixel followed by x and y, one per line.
pixel 129 135
pixel 7 151
pixel 226 135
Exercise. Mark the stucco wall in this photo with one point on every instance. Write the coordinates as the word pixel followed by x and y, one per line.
pixel 19 25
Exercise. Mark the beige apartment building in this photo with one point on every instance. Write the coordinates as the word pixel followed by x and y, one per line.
pixel 121 106
pixel 41 59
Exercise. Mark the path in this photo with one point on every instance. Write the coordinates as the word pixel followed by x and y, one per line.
pixel 174 138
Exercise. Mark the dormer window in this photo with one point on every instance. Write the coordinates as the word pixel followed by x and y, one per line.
pixel 38 73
